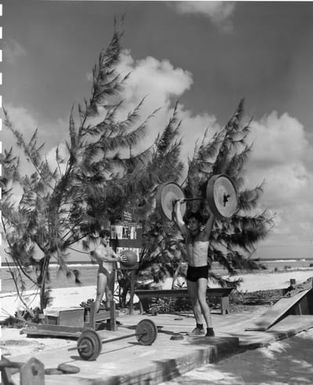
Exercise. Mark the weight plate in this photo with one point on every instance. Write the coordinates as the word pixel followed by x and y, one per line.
pixel 177 337
pixel 167 195
pixel 146 332
pixel 53 371
pixel 89 345
pixel 221 195
pixel 68 369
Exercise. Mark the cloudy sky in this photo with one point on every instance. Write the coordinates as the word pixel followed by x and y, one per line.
pixel 207 55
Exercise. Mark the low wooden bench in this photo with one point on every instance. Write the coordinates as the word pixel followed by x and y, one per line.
pixel 222 293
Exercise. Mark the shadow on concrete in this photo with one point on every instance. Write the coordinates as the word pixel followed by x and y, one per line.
pixel 283 362
pixel 104 351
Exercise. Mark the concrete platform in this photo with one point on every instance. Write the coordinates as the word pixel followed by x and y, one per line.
pixel 127 362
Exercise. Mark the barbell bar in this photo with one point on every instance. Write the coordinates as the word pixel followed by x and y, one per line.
pixel 221 196
pixel 89 344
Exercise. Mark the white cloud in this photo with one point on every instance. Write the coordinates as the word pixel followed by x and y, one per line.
pixel 157 80
pixel 219 12
pixel 278 139
pixel 21 120
pixel 12 51
pixel 279 155
pixel 24 121
pixel 193 128
pixel 162 84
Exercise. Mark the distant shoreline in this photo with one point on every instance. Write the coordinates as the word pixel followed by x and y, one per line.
pixel 283 260
pixel 74 263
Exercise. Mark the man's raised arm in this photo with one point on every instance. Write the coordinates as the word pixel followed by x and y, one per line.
pixel 209 225
pixel 177 217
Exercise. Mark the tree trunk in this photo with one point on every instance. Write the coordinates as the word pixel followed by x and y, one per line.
pixel 132 291
pixel 44 276
pixel 42 295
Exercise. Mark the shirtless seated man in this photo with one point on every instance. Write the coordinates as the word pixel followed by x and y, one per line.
pixel 106 258
pixel 197 237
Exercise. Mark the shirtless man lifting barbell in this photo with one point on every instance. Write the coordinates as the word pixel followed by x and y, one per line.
pixel 197 236
pixel 222 202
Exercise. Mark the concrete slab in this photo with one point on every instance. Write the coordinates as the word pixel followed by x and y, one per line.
pixel 127 362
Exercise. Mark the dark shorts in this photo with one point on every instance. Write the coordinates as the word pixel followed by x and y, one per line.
pixel 196 272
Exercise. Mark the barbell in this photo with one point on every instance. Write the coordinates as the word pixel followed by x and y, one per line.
pixel 89 344
pixel 221 196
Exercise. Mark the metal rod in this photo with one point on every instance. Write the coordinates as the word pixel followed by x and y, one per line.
pixel 105 341
pixel 81 347
pixel 118 338
pixel 192 199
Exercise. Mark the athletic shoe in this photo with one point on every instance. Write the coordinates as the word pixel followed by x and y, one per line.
pixel 197 332
pixel 210 332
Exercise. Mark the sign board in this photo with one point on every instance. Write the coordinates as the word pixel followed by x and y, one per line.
pixel 127 216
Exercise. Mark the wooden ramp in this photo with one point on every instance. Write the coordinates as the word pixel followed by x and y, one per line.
pixel 293 324
pixel 296 304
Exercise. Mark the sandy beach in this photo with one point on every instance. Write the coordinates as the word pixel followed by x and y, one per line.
pixel 73 296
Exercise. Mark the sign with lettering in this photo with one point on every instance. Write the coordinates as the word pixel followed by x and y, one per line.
pixel 127 216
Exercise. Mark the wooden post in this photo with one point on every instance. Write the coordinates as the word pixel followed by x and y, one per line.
pixel 32 373
pixel 132 291
pixel 113 325
pixel 92 315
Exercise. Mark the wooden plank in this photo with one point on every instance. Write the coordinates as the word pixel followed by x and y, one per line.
pixel 65 316
pixel 213 292
pixel 71 317
pixel 52 334
pixel 52 331
pixel 277 311
pixel 55 327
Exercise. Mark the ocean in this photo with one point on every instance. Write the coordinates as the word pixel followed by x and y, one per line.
pixel 88 273
pixel 87 276
pixel 285 264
